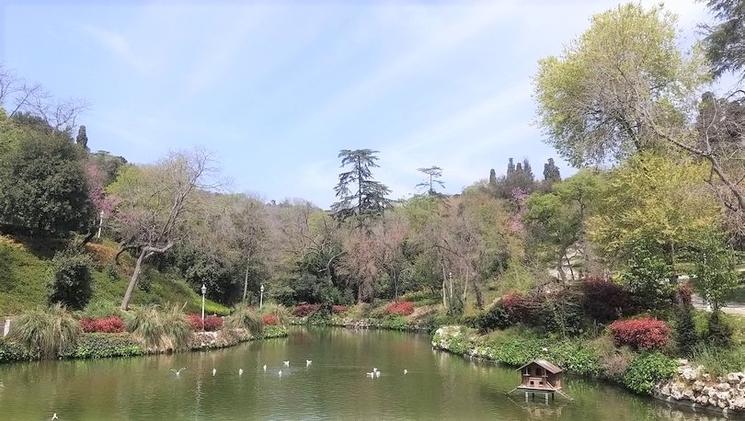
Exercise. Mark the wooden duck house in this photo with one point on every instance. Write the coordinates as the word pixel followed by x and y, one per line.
pixel 540 376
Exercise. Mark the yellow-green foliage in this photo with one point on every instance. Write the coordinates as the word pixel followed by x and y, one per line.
pixel 653 197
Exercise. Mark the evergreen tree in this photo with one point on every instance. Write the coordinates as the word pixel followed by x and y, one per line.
pixel 369 195
pixel 434 173
pixel 492 178
pixel 82 138
pixel 551 172
pixel 527 171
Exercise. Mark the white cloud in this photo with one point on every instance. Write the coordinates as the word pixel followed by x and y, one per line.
pixel 119 46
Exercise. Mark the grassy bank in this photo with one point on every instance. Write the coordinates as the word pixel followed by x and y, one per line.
pixel 108 345
pixel 25 269
pixel 593 358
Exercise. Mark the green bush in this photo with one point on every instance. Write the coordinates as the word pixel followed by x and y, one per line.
pixel 105 345
pixel 71 279
pixel 575 357
pixel 274 332
pixel 518 351
pixel 496 317
pixel 647 370
pixel 46 332
pixel 718 333
pixel 685 329
pixel 11 351
pixel 394 322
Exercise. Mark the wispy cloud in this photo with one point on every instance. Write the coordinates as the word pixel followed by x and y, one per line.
pixel 463 24
pixel 118 46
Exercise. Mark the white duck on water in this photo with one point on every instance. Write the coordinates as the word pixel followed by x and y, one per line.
pixel 178 372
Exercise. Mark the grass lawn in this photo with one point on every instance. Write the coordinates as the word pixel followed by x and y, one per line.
pixel 25 270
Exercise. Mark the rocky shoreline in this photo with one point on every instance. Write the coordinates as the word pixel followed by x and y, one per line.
pixel 690 387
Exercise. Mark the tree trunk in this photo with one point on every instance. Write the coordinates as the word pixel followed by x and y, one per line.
pixel 560 268
pixel 133 280
pixel 146 252
pixel 569 263
pixel 245 283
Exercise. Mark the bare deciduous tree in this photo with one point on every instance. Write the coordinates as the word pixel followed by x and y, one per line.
pixel 151 203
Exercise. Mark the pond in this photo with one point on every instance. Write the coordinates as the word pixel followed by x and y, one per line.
pixel 438 385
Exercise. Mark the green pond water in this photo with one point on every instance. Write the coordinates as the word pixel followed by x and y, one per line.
pixel 438 385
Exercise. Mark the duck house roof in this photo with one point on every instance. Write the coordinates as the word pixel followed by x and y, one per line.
pixel 550 367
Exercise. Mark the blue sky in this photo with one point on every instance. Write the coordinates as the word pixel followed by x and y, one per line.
pixel 275 89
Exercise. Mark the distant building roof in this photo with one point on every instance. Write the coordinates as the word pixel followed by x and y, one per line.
pixel 545 364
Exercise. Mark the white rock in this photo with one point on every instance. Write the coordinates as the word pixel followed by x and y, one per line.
pixel 738 404
pixel 723 386
pixel 698 386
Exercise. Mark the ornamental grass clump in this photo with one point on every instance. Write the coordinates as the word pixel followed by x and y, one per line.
pixel 160 330
pixel 47 332
pixel 245 318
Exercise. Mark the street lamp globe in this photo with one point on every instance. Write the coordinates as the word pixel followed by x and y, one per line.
pixel 204 289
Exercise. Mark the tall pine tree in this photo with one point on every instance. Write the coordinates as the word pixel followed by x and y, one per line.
pixel 433 173
pixel 358 193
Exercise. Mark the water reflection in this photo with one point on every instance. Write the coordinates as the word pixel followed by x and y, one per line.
pixel 438 385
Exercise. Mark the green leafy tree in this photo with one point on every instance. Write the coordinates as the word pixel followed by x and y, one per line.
pixel 553 224
pixel 71 280
pixel 358 193
pixel 43 186
pixel 612 88
pixel 557 220
pixel 652 198
pixel 715 270
pixel 648 275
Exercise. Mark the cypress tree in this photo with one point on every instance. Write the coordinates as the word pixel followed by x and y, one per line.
pixel 82 138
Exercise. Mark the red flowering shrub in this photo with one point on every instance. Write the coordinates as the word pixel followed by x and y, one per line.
pixel 339 309
pixel 305 309
pixel 402 308
pixel 211 323
pixel 522 308
pixel 270 319
pixel 645 333
pixel 605 301
pixel 111 324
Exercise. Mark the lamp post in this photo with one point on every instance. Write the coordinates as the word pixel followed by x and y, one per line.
pixel 100 224
pixel 204 291
pixel 261 296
